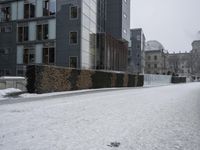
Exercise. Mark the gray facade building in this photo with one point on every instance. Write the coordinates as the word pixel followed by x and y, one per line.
pixel 195 58
pixel 155 58
pixel 118 19
pixel 137 51
pixel 55 32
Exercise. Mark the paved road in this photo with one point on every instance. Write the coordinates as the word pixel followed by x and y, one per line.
pixel 158 118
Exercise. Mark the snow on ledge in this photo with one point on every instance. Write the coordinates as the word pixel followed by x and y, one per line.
pixel 12 78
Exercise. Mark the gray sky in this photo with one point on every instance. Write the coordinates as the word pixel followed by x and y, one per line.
pixel 174 23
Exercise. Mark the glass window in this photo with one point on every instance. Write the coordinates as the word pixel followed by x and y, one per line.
pixel 26 33
pixel 4 51
pixel 73 62
pixel 73 37
pixel 74 12
pixel 29 9
pixel 155 65
pixel 39 32
pixel 49 55
pixel 20 34
pixel 5 13
pixel 149 66
pixel 49 7
pixel 45 55
pixel 8 29
pixel 29 56
pixel 45 31
pixel 25 56
pixel 42 31
pixel 155 57
pixel 26 11
pixel 23 33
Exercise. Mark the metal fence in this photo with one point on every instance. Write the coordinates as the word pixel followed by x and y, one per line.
pixel 151 79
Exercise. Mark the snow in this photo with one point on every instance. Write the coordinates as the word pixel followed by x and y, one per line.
pixel 155 118
pixel 7 91
pixel 28 95
pixel 12 78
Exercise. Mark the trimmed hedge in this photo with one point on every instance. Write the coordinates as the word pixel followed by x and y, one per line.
pixel 45 79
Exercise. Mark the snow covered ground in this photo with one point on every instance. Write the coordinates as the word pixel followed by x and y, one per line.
pixel 7 91
pixel 157 118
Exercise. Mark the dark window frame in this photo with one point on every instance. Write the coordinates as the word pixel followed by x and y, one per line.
pixel 47 54
pixel 72 40
pixel 73 16
pixel 71 64
pixel 23 33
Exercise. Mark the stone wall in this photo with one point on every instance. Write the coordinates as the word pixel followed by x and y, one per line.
pixel 44 79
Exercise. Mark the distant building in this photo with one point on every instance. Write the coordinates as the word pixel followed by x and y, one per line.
pixel 179 64
pixel 63 33
pixel 137 51
pixel 195 58
pixel 155 58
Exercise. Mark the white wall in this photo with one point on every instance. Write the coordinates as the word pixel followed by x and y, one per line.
pixel 14 11
pixel 52 29
pixel 38 53
pixel 20 12
pixel 20 52
pixel 32 31
pixel 39 9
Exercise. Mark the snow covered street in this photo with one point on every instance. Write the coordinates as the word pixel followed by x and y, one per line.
pixel 156 118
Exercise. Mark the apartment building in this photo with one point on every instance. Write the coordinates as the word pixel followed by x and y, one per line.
pixel 53 32
pixel 179 63
pixel 195 58
pixel 155 58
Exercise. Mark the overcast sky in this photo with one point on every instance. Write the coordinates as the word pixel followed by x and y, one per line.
pixel 174 23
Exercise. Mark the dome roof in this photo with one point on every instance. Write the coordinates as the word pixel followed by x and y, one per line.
pixel 153 45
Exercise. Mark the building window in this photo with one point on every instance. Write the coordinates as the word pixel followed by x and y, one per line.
pixel 73 62
pixel 42 32
pixel 29 56
pixel 49 55
pixel 149 66
pixel 149 57
pixel 29 9
pixel 129 52
pixel 49 7
pixel 6 29
pixel 4 51
pixel 138 37
pixel 23 33
pixel 5 14
pixel 155 58
pixel 73 12
pixel 73 38
pixel 4 72
pixel 155 66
